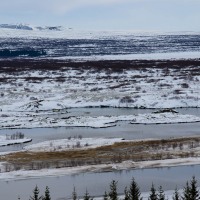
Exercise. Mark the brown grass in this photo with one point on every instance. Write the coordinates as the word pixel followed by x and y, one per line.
pixel 135 150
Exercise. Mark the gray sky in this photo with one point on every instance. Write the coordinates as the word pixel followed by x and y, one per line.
pixel 161 15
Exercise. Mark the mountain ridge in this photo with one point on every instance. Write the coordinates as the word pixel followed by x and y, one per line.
pixel 30 27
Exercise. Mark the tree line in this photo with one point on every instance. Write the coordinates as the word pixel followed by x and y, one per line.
pixel 190 192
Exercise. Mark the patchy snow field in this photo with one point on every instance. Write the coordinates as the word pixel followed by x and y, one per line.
pixel 43 119
pixel 36 98
pixel 140 88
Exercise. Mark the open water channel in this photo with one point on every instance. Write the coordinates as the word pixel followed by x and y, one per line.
pixel 96 183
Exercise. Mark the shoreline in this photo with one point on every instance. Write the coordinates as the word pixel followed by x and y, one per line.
pixel 104 121
pixel 160 158
pixel 103 168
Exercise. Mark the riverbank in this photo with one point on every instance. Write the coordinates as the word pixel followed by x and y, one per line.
pixel 148 153
pixel 126 165
pixel 20 120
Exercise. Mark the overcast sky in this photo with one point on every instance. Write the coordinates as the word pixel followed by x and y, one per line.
pixel 161 15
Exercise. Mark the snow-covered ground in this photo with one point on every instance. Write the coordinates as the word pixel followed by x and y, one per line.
pixel 26 102
pixel 31 31
pixel 148 56
pixel 23 174
pixel 30 120
pixel 71 143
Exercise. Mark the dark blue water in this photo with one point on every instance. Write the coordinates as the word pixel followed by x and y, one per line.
pixel 110 45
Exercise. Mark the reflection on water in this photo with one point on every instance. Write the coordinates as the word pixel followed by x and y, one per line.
pixel 97 183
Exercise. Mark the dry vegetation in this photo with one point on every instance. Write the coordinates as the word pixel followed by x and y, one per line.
pixel 22 65
pixel 134 150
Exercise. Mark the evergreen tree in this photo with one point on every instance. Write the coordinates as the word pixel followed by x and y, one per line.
pixel 194 193
pixel 105 196
pixel 113 191
pixel 126 194
pixel 134 191
pixel 74 195
pixel 47 194
pixel 176 195
pixel 153 195
pixel 186 192
pixel 161 195
pixel 36 196
pixel 86 196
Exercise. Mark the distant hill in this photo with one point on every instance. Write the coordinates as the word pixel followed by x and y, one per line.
pixel 16 26
pixel 29 27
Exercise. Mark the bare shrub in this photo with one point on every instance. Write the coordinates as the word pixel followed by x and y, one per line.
pixel 175 145
pixel 78 144
pixel 51 144
pixel 59 147
pixel 166 71
pixel 7 167
pixel 69 138
pixel 20 84
pixel 86 145
pixel 80 137
pixel 152 81
pixel 177 91
pixel 164 85
pixel 15 136
pixel 191 145
pixel 126 99
pixel 4 115
pixel 181 146
pixel 137 96
pixel 190 77
pixel 185 85
pixel 137 88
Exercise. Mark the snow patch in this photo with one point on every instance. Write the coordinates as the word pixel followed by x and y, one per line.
pixel 71 143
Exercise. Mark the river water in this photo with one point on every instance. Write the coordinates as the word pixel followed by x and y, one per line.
pixel 123 129
pixel 96 183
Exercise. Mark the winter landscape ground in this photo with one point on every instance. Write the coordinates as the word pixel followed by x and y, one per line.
pixel 66 69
